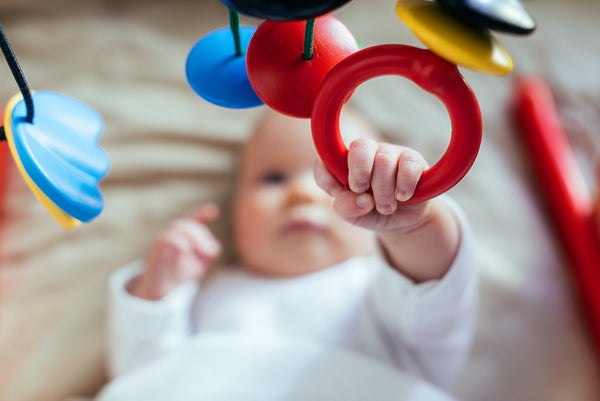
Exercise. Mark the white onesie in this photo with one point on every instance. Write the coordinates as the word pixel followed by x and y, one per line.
pixel 361 304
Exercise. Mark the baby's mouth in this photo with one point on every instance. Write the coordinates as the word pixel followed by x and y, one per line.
pixel 303 227
pixel 305 223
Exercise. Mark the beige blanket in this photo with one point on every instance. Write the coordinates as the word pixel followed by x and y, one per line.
pixel 170 149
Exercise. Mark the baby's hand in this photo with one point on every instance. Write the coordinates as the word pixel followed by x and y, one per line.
pixel 391 172
pixel 183 252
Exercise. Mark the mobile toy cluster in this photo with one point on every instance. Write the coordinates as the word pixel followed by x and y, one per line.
pixel 300 61
pixel 303 62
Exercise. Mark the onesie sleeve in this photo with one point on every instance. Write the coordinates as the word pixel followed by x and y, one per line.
pixel 428 328
pixel 139 331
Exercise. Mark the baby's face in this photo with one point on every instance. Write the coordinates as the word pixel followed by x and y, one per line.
pixel 284 223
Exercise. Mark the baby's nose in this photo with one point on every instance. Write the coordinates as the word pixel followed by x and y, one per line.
pixel 303 188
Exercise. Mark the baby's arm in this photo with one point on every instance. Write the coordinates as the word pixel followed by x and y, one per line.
pixel 419 240
pixel 183 252
pixel 432 313
pixel 150 301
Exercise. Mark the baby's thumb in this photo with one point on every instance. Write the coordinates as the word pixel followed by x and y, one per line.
pixel 350 205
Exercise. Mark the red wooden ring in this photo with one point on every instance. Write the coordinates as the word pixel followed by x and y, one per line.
pixel 430 72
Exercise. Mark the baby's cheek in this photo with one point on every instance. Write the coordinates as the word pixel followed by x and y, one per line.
pixel 252 235
pixel 244 247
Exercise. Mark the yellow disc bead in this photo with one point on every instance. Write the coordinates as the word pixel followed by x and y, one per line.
pixel 453 40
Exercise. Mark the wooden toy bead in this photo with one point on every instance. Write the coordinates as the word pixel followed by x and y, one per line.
pixel 500 15
pixel 277 70
pixel 217 74
pixel 452 39
pixel 284 10
pixel 431 73
pixel 58 154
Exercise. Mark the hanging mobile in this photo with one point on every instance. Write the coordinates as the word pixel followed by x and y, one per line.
pixel 317 84
pixel 53 140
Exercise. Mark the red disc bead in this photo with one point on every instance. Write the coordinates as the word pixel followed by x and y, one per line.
pixel 277 70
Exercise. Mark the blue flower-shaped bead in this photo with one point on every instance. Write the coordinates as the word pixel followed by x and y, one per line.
pixel 59 152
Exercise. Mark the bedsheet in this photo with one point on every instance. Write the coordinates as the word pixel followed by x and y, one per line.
pixel 170 149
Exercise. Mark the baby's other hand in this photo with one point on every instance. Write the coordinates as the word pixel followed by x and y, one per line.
pixel 391 172
pixel 183 251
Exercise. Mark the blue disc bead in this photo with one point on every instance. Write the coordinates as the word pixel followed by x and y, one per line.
pixel 217 74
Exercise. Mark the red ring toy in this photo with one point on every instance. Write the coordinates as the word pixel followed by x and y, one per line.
pixel 430 72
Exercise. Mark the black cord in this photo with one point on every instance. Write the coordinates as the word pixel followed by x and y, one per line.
pixel 309 37
pixel 17 73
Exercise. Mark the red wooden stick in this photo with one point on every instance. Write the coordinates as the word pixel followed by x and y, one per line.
pixel 564 188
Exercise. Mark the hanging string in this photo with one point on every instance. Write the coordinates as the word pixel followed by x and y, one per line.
pixel 17 73
pixel 234 23
pixel 309 36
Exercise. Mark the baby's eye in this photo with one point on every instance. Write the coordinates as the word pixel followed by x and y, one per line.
pixel 272 178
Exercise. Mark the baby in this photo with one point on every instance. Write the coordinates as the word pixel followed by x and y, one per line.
pixel 344 267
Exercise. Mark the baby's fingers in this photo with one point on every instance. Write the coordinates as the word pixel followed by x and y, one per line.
pixel 204 213
pixel 190 246
pixel 361 156
pixel 383 183
pixel 396 173
pixel 198 238
pixel 410 168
